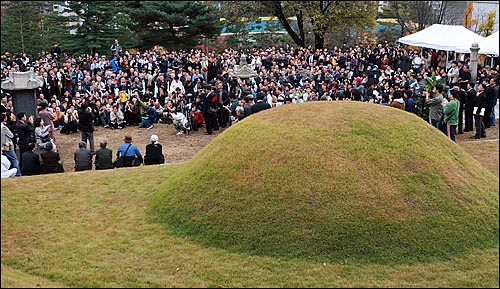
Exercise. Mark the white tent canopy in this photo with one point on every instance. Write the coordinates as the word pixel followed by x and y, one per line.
pixel 443 37
pixel 488 45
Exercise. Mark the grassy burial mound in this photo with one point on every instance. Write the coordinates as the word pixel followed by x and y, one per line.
pixel 334 180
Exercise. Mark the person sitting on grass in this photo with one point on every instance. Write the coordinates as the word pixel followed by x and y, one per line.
pixel 83 158
pixel 116 118
pixel 154 152
pixel 130 152
pixel 103 157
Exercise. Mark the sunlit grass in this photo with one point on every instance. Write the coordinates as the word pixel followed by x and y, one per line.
pixel 346 184
pixel 94 229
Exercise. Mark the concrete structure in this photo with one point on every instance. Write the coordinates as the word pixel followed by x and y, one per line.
pixel 473 61
pixel 244 70
pixel 23 86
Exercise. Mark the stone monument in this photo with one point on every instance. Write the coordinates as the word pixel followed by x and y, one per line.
pixel 244 70
pixel 473 62
pixel 23 86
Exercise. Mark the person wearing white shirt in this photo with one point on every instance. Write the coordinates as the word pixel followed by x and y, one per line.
pixel 176 83
pixel 6 171
pixel 453 74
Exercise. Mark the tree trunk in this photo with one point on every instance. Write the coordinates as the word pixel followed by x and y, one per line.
pixel 319 40
pixel 278 12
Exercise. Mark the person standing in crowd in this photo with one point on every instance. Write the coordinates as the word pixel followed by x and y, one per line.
pixel 436 108
pixel 55 51
pixel 469 107
pixel 82 157
pixel 397 100
pixel 130 152
pixel 48 119
pixel 30 162
pixel 8 149
pixel 86 123
pixel 25 131
pixel 494 85
pixel 210 107
pixel 116 48
pixel 103 157
pixel 260 105
pixel 453 74
pixel 450 112
pixel 464 77
pixel 478 111
pixel 489 103
pixel 154 152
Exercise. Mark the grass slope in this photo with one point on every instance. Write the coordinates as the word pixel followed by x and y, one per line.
pixel 90 230
pixel 352 181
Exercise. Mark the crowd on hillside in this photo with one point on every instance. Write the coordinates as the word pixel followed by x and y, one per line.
pixel 192 89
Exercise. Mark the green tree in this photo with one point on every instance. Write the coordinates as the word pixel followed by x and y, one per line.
pixel 317 17
pixel 486 27
pixel 99 23
pixel 173 24
pixel 21 32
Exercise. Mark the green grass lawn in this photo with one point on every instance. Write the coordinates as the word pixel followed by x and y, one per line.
pixel 95 234
pixel 96 229
pixel 349 184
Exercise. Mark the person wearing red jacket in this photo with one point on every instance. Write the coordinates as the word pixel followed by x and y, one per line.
pixel 196 118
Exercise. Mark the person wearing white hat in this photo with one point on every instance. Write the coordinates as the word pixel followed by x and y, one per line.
pixel 154 152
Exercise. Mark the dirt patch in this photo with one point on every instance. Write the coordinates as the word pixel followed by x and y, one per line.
pixel 177 149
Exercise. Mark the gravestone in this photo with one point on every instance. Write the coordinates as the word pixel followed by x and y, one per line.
pixel 23 86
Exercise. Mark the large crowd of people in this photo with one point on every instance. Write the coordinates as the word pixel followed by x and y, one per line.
pixel 195 89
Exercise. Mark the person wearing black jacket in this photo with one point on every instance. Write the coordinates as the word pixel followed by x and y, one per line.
pixel 154 152
pixel 24 131
pixel 469 107
pixel 210 107
pixel 86 124
pixel 223 112
pixel 480 103
pixel 260 104
pixel 462 100
pixel 490 98
pixel 30 162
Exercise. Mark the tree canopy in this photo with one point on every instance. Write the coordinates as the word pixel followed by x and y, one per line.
pixel 169 23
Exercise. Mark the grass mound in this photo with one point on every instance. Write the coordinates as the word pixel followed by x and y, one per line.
pixel 334 180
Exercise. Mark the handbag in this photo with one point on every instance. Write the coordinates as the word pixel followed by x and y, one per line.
pixel 118 163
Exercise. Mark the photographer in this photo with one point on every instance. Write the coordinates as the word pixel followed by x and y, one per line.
pixel 86 124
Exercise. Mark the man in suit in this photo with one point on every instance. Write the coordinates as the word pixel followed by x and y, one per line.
pixel 260 104
pixel 30 162
pixel 24 132
pixel 83 158
pixel 480 103
pixel 469 107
